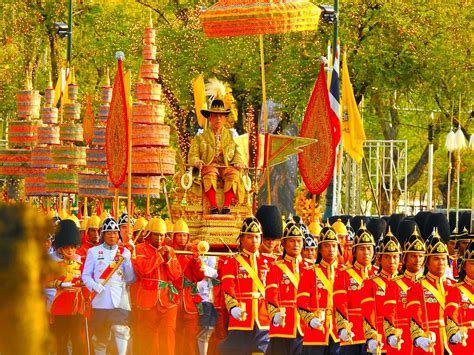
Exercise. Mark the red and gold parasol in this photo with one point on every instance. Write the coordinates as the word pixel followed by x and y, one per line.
pixel 259 17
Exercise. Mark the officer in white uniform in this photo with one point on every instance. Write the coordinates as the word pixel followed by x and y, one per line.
pixel 111 304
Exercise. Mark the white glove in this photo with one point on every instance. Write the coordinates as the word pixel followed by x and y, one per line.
pixel 457 338
pixel 372 346
pixel 344 336
pixel 66 284
pixel 392 340
pixel 236 312
pixel 131 243
pixel 277 319
pixel 315 323
pixel 423 343
pixel 98 288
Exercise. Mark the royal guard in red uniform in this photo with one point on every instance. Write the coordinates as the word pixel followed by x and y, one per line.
pixel 374 291
pixel 427 299
pixel 348 294
pixel 67 307
pixel 396 319
pixel 459 311
pixel 243 283
pixel 189 300
pixel 269 217
pixel 315 297
pixel 157 298
pixel 92 236
pixel 286 333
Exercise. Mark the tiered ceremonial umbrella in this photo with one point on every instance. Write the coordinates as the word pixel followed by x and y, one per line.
pixel 148 136
pixel 259 17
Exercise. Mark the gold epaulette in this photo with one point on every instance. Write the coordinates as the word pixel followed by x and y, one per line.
pixel 279 262
pixel 371 277
pixel 311 267
pixel 457 284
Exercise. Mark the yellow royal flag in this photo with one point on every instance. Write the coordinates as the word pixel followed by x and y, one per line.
pixel 199 93
pixel 353 135
pixel 58 89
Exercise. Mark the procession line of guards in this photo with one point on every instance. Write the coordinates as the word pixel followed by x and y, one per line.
pixel 125 293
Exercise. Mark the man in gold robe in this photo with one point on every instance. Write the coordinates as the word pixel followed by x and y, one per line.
pixel 215 154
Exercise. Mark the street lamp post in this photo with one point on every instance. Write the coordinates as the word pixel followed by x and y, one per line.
pixel 430 163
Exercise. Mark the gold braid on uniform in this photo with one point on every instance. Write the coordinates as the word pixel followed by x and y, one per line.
pixel 341 321
pixel 369 331
pixel 305 315
pixel 415 329
pixel 388 327
pixel 272 310
pixel 451 327
pixel 230 302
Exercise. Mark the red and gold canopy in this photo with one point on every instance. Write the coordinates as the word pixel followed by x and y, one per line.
pixel 258 17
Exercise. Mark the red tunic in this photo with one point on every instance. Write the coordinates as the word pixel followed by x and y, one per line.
pixel 240 288
pixel 459 312
pixel 395 311
pixel 315 296
pixel 82 251
pixel 155 278
pixel 373 298
pixel 347 300
pixel 280 292
pixel 426 301
pixel 68 301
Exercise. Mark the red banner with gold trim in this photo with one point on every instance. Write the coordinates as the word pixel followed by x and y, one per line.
pixel 316 161
pixel 116 139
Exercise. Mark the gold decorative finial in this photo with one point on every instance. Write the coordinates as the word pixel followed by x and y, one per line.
pixel 73 78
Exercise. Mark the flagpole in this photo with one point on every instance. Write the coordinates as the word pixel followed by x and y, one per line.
pixel 265 119
pixel 430 163
pixel 69 35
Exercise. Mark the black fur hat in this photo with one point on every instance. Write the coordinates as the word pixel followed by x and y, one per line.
pixel 452 220
pixel 465 224
pixel 440 222
pixel 356 221
pixel 377 227
pixel 421 218
pixel 405 230
pixel 394 221
pixel 67 234
pixel 269 217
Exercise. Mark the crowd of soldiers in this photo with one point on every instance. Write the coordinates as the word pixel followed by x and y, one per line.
pixel 353 285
